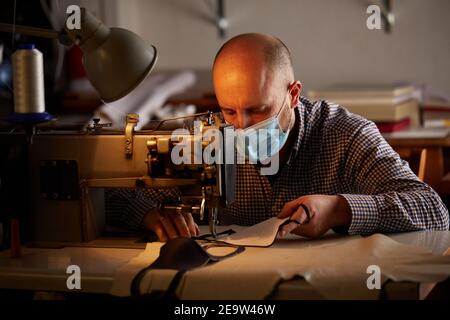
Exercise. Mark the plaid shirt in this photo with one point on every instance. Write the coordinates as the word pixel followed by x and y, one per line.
pixel 335 153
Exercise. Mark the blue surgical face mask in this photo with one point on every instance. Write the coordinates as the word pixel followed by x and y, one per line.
pixel 262 140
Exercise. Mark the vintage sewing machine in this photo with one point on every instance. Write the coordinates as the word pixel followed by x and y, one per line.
pixel 69 172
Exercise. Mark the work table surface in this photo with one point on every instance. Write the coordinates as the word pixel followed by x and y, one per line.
pixel 41 269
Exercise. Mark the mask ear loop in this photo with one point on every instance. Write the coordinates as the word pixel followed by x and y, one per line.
pixel 290 118
pixel 209 237
pixel 209 245
pixel 170 292
pixel 212 243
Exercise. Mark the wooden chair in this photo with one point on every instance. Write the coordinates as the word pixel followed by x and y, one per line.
pixel 417 159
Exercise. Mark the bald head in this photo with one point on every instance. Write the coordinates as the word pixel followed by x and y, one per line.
pixel 259 51
pixel 252 72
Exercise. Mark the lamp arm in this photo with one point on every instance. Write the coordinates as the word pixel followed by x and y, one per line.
pixel 36 32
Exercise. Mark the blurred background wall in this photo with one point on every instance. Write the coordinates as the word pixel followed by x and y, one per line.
pixel 329 40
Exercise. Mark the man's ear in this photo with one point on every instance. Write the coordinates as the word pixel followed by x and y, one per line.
pixel 295 88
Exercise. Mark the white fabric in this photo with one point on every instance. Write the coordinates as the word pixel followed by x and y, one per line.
pixel 262 234
pixel 336 266
pixel 146 99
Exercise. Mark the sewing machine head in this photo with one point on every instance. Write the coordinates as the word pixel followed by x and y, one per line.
pixel 70 171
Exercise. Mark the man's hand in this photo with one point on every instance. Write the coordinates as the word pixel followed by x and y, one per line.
pixel 170 226
pixel 325 212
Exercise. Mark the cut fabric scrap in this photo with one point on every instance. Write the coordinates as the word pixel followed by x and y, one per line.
pixel 262 234
pixel 335 266
pixel 125 274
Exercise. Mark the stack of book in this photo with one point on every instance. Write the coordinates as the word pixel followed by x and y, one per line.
pixel 392 108
pixel 436 113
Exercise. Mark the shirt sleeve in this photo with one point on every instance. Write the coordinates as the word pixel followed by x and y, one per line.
pixel 126 208
pixel 390 197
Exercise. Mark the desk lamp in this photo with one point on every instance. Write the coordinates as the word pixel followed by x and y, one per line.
pixel 116 60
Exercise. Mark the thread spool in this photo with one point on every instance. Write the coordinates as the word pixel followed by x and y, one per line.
pixel 28 73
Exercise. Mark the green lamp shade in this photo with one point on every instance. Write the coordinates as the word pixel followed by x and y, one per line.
pixel 115 60
pixel 119 64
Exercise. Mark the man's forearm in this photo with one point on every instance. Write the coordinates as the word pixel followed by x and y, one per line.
pixel 397 211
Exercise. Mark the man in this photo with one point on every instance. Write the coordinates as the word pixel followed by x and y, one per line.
pixel 335 169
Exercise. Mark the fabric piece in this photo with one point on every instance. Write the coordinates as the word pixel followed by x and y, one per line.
pixel 125 274
pixel 426 288
pixel 337 269
pixel 181 254
pixel 336 266
pixel 262 234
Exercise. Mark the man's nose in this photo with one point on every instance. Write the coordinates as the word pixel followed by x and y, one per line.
pixel 241 121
